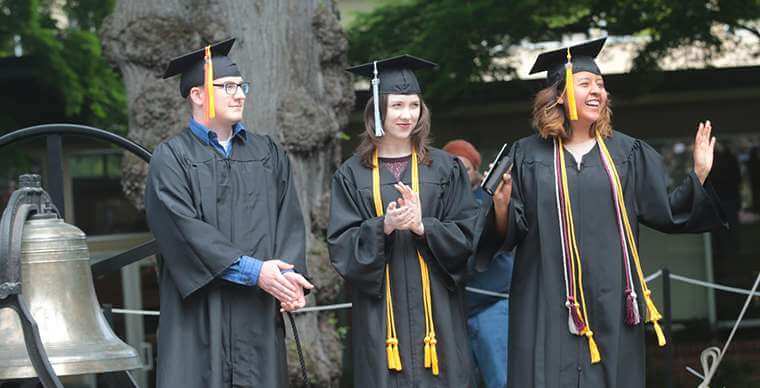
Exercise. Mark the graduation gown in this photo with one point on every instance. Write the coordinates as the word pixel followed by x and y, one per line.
pixel 359 250
pixel 206 211
pixel 542 352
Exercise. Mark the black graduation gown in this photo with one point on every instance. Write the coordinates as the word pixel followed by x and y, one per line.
pixel 359 250
pixel 206 211
pixel 542 352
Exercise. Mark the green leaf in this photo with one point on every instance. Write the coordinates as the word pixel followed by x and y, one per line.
pixel 67 59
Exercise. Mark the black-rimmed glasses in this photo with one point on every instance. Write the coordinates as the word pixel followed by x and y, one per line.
pixel 231 88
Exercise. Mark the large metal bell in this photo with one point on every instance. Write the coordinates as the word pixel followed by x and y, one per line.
pixel 57 284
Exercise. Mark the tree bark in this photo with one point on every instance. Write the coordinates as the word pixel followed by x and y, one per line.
pixel 293 52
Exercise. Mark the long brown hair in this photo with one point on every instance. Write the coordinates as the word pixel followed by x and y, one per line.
pixel 549 117
pixel 420 136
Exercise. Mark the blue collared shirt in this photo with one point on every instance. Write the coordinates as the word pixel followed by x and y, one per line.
pixel 209 137
pixel 245 270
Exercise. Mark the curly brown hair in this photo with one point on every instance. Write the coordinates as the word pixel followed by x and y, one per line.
pixel 420 135
pixel 549 118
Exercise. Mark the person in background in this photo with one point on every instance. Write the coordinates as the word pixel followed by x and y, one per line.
pixel 487 316
pixel 726 178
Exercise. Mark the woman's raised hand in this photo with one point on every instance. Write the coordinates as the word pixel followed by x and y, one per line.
pixel 704 146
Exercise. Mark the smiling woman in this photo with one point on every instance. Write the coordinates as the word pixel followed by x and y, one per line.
pixel 401 115
pixel 579 302
pixel 406 123
pixel 550 117
pixel 402 221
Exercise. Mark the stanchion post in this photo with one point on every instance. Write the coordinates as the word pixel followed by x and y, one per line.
pixel 55 171
pixel 666 293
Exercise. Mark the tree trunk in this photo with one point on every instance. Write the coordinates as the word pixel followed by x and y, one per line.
pixel 293 52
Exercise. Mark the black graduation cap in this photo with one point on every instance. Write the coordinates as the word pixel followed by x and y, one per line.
pixel 582 58
pixel 396 74
pixel 191 66
pixel 392 76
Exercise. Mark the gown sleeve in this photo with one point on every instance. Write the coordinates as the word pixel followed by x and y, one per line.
pixel 290 233
pixel 489 241
pixel 194 251
pixel 356 244
pixel 690 208
pixel 448 241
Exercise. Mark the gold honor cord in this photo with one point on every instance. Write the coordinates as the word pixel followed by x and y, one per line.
pixel 653 315
pixel 431 352
pixel 576 259
pixel 391 341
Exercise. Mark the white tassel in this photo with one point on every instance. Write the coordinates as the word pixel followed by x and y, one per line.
pixel 376 97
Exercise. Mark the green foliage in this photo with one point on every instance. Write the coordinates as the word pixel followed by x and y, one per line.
pixel 67 59
pixel 88 14
pixel 465 36
pixel 461 36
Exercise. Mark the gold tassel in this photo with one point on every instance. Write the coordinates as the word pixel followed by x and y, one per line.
pixel 396 357
pixel 652 314
pixel 654 317
pixel 434 356
pixel 660 335
pixel 570 88
pixel 427 352
pixel 391 349
pixel 592 348
pixel 208 84
pixel 389 353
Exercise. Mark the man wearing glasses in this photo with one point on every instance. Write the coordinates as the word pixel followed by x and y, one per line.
pixel 222 205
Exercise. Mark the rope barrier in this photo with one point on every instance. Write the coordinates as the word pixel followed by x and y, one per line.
pixel 323 308
pixel 338 306
pixel 135 312
pixel 654 276
pixel 713 285
pixel 312 309
pixel 486 292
